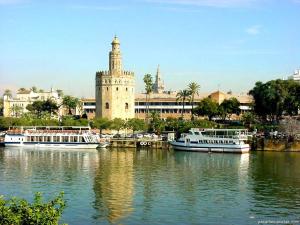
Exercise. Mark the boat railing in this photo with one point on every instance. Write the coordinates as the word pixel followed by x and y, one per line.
pixel 240 137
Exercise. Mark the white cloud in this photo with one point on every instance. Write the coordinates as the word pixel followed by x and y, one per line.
pixel 212 3
pixel 253 30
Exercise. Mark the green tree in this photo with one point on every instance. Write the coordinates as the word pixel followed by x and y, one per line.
pixel 182 96
pixel 207 107
pixel 34 89
pixel 135 124
pixel 275 98
pixel 37 107
pixel 101 124
pixel 248 119
pixel 156 125
pixel 16 110
pixel 229 107
pixel 1 106
pixel 19 211
pixel 8 93
pixel 148 88
pixel 117 124
pixel 70 102
pixel 194 90
pixel 60 93
pixel 22 89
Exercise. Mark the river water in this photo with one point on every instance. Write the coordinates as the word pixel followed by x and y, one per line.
pixel 158 186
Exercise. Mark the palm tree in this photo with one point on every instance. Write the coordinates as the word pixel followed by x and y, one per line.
pixel 148 88
pixel 8 93
pixel 194 89
pixel 182 96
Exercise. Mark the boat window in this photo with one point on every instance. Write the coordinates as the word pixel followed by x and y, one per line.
pixel 71 138
pixel 48 138
pixel 190 132
pixel 82 139
pixel 65 139
pixel 197 133
pixel 75 139
pixel 40 139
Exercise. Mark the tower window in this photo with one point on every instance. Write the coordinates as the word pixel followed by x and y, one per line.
pixel 107 105
pixel 126 89
pixel 117 88
pixel 107 88
pixel 126 105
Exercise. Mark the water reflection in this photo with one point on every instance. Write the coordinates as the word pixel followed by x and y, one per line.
pixel 114 184
pixel 157 186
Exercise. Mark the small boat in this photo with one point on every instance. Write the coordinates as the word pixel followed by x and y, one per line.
pixel 213 140
pixel 52 137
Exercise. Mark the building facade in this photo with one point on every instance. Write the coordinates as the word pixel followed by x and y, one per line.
pixel 14 107
pixel 166 104
pixel 115 88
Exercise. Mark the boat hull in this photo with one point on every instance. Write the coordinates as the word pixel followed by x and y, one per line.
pixel 243 148
pixel 53 145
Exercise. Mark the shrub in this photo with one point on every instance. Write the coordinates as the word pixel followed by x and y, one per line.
pixel 19 211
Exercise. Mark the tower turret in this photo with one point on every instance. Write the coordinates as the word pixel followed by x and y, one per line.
pixel 115 57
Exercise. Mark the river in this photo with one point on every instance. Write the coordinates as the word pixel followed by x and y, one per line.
pixel 158 186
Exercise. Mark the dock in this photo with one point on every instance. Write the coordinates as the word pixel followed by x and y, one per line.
pixel 139 143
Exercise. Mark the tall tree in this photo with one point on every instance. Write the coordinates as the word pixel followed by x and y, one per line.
pixel 34 89
pixel 8 93
pixel 207 107
pixel 117 124
pixel 16 110
pixel 194 90
pixel 182 96
pixel 135 124
pixel 229 107
pixel 60 93
pixel 70 102
pixel 21 89
pixel 156 125
pixel 148 88
pixel 101 123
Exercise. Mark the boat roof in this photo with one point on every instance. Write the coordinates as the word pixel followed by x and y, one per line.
pixel 50 127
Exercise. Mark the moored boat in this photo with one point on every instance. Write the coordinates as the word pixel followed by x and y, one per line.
pixel 213 140
pixel 52 137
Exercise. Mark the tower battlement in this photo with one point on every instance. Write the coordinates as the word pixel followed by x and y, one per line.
pixel 109 73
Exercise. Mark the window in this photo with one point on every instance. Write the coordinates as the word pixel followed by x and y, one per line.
pixel 117 88
pixel 126 89
pixel 107 88
pixel 126 105
pixel 107 105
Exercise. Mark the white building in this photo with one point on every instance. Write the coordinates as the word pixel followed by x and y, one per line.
pixel 13 107
pixel 296 76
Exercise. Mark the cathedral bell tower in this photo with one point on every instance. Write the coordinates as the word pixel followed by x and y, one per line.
pixel 115 88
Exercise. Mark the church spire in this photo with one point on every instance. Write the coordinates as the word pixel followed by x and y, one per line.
pixel 158 86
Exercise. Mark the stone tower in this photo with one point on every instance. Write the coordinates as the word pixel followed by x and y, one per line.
pixel 115 88
pixel 158 86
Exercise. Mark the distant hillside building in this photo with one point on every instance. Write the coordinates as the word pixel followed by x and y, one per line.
pixel 158 86
pixel 296 76
pixel 13 107
pixel 115 88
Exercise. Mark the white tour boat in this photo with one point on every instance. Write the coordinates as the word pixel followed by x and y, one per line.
pixel 52 137
pixel 213 140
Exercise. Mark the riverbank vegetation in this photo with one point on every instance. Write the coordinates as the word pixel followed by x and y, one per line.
pixel 19 211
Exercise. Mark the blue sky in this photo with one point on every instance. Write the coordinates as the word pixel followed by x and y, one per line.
pixel 229 44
